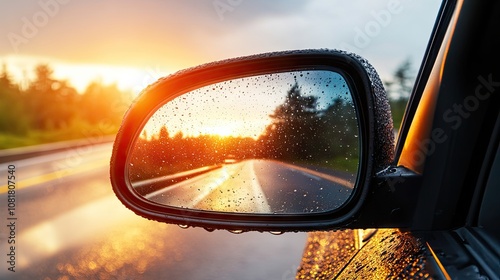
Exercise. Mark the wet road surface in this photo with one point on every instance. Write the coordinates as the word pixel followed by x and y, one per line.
pixel 69 225
pixel 257 186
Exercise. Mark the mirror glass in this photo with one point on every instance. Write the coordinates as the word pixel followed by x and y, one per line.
pixel 282 143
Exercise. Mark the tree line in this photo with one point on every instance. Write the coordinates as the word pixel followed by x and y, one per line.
pixel 48 109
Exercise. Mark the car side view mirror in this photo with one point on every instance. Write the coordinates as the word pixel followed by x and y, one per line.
pixel 273 143
pixel 279 142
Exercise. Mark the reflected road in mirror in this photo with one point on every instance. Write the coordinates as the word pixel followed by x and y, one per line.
pixel 262 187
pixel 279 143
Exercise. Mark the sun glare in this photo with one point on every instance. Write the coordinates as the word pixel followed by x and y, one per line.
pixel 126 78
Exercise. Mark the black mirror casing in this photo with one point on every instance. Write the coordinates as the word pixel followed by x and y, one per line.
pixel 375 131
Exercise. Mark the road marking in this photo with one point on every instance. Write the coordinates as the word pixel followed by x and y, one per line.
pixel 262 207
pixel 310 176
pixel 26 183
pixel 340 181
pixel 203 191
pixel 210 187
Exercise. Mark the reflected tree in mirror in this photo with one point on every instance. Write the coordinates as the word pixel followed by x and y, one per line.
pixel 276 143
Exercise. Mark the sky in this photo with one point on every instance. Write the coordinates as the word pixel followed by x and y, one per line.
pixel 132 43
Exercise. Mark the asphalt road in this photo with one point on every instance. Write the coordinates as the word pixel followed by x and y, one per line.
pixel 258 186
pixel 67 224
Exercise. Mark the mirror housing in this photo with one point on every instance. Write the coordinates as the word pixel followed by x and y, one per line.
pixel 376 138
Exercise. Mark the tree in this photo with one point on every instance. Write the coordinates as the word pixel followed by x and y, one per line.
pixel 399 90
pixel 43 82
pixel 291 133
pixel 402 83
pixel 5 79
pixel 103 103
pixel 53 102
pixel 16 117
pixel 338 135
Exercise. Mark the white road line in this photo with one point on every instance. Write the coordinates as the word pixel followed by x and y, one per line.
pixel 263 206
pixel 346 183
pixel 310 176
pixel 209 188
pixel 203 192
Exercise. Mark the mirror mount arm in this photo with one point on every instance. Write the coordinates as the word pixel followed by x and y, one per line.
pixel 391 201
